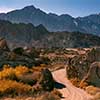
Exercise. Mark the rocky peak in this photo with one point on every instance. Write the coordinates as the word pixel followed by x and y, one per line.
pixel 29 8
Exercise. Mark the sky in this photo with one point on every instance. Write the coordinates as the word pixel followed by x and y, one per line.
pixel 74 8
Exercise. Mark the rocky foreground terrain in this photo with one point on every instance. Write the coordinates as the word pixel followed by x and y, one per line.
pixel 85 67
pixel 84 71
pixel 27 72
pixel 24 75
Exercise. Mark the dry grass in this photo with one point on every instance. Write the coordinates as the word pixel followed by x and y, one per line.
pixel 77 82
pixel 54 95
pixel 92 90
pixel 97 96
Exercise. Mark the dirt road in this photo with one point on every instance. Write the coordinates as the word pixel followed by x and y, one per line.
pixel 69 91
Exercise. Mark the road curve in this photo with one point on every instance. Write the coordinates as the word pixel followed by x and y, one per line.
pixel 69 92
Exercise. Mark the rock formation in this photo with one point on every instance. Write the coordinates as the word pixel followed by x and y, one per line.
pixel 85 67
pixel 18 56
pixel 3 44
pixel 46 80
pixel 93 75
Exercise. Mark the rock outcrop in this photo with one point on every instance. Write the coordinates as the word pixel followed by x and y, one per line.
pixel 18 56
pixel 46 80
pixel 3 44
pixel 85 67
pixel 93 75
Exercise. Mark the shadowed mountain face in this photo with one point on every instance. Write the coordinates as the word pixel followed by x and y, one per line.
pixel 53 22
pixel 28 35
pixel 21 34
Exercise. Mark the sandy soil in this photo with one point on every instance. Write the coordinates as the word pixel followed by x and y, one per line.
pixel 69 91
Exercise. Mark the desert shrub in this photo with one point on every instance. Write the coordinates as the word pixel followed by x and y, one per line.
pixel 48 96
pixel 56 92
pixel 38 68
pixel 29 78
pixel 8 87
pixel 22 80
pixel 46 60
pixel 34 53
pixel 43 65
pixel 37 87
pixel 18 50
pixel 12 56
pixel 71 71
pixel 83 85
pixel 20 70
pixel 75 82
pixel 7 73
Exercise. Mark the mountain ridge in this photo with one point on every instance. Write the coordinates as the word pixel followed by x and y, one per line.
pixel 53 22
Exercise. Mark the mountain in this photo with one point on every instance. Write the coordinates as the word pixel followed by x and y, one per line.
pixel 21 34
pixel 38 36
pixel 53 22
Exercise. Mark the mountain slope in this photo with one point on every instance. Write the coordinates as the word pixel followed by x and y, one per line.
pixel 28 35
pixel 53 22
pixel 21 33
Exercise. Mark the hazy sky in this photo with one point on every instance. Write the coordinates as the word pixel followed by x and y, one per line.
pixel 72 7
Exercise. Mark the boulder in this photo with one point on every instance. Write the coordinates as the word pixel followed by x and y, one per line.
pixel 46 80
pixel 3 44
pixel 93 75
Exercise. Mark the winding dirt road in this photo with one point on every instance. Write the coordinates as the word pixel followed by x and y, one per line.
pixel 69 92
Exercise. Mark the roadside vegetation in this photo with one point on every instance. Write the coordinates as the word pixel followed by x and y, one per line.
pixel 21 81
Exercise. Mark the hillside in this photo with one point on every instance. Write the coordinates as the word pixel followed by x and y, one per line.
pixel 29 35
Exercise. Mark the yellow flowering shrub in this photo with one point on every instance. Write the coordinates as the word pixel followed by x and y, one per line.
pixel 38 68
pixel 7 72
pixel 20 70
pixel 20 80
pixel 13 87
